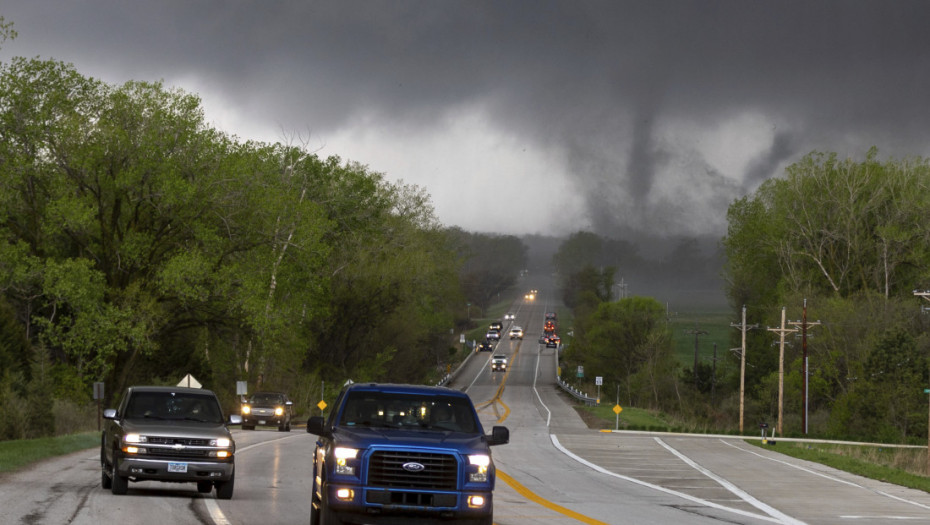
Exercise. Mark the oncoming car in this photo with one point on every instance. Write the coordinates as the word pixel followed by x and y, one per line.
pixel 516 333
pixel 499 363
pixel 169 434
pixel 271 409
pixel 402 454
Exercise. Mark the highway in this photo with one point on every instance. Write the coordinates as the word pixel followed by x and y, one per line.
pixel 555 470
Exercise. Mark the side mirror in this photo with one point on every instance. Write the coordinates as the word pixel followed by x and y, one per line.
pixel 289 403
pixel 315 425
pixel 235 419
pixel 109 413
pixel 499 436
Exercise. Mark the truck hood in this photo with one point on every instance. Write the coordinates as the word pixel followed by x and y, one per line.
pixel 176 428
pixel 381 437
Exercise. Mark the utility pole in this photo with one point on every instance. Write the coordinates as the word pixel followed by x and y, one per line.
pixel 742 367
pixel 804 372
pixel 782 331
pixel 696 333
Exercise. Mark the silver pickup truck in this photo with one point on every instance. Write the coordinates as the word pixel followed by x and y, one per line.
pixel 170 434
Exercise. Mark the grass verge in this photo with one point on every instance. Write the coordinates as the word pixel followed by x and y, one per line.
pixel 21 452
pixel 900 466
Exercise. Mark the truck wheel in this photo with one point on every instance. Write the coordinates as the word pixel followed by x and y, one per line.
pixel 118 484
pixel 105 480
pixel 224 489
pixel 204 487
pixel 326 516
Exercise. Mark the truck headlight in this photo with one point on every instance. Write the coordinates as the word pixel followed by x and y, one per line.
pixel 221 442
pixel 481 462
pixel 246 410
pixel 279 411
pixel 134 438
pixel 343 455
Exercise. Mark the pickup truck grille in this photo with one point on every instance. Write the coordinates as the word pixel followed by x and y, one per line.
pixel 385 469
pixel 159 440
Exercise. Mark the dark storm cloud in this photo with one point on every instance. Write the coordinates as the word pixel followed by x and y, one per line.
pixel 600 81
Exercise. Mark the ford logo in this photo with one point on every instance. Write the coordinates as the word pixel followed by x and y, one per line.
pixel 412 466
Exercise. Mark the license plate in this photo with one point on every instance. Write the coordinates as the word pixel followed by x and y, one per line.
pixel 261 421
pixel 177 467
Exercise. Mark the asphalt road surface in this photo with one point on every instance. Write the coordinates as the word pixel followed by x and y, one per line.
pixel 555 470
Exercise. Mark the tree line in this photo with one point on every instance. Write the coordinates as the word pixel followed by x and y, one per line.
pixel 138 244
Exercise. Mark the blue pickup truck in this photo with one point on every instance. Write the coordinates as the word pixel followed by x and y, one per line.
pixel 398 454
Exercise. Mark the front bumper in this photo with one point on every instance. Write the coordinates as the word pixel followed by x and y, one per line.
pixel 166 470
pixel 382 506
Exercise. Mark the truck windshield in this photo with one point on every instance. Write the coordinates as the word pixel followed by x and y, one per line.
pixel 397 410
pixel 173 405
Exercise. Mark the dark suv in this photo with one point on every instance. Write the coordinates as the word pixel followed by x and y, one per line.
pixel 267 409
pixel 170 434
pixel 398 454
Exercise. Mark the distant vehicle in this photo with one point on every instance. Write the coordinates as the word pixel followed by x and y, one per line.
pixel 497 325
pixel 169 434
pixel 484 346
pixel 530 296
pixel 499 363
pixel 549 327
pixel 271 409
pixel 509 316
pixel 551 315
pixel 493 334
pixel 553 341
pixel 516 333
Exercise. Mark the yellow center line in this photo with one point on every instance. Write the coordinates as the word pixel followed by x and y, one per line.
pixel 532 496
pixel 500 390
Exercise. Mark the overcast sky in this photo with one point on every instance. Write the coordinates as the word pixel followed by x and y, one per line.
pixel 529 116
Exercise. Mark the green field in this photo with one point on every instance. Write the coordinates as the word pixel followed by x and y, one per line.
pixel 716 324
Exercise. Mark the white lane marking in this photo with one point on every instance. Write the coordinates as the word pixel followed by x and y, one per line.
pixel 215 513
pixel 745 496
pixel 555 441
pixel 549 417
pixel 831 478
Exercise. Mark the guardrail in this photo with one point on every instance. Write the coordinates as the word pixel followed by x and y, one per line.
pixel 580 396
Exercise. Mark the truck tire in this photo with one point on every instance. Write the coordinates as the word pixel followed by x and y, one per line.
pixel 326 515
pixel 224 489
pixel 105 480
pixel 119 485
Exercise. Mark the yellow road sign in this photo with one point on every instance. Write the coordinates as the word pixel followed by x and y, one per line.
pixel 618 409
pixel 321 405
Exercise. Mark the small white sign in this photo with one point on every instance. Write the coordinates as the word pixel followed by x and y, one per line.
pixel 598 380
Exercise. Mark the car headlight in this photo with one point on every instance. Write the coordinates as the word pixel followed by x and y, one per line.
pixel 221 442
pixel 279 411
pixel 343 455
pixel 246 409
pixel 134 438
pixel 482 462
